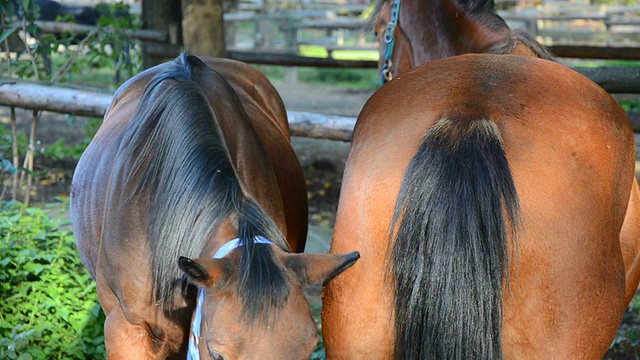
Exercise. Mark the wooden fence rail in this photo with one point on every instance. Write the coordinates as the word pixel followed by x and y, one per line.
pixel 94 104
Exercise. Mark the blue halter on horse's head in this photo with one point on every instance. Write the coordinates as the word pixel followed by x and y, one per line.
pixel 389 41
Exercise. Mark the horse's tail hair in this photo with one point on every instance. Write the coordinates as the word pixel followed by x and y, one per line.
pixel 450 256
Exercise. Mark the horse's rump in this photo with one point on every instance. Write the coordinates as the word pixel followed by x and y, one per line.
pixel 482 127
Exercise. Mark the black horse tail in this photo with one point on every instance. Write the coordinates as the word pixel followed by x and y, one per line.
pixel 451 258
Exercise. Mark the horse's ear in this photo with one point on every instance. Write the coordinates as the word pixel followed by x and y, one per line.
pixel 315 268
pixel 204 272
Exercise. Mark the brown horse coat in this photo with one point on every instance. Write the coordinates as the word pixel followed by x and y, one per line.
pixel 570 151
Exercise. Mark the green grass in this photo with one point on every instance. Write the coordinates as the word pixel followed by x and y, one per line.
pixel 317 51
pixel 352 78
pixel 344 77
pixel 87 73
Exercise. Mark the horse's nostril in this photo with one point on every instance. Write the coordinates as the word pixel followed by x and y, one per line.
pixel 216 356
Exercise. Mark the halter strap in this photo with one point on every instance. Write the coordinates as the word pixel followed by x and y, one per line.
pixel 390 40
pixel 193 352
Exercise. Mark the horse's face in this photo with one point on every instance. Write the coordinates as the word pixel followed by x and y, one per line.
pixel 288 332
pixel 401 51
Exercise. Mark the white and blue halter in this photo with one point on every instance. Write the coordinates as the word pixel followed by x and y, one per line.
pixel 193 352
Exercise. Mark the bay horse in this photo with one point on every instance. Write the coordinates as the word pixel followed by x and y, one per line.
pixel 492 197
pixel 191 180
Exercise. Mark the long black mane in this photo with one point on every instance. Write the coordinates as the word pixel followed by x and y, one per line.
pixel 182 171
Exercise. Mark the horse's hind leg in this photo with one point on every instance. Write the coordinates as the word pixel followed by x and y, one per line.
pixel 630 243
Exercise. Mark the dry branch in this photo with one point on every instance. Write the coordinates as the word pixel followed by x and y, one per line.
pixel 321 126
pixel 618 80
pixel 596 52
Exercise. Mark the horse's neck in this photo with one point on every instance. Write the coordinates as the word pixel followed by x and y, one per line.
pixel 246 150
pixel 251 163
pixel 443 28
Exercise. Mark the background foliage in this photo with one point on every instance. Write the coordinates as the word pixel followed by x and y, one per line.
pixel 49 308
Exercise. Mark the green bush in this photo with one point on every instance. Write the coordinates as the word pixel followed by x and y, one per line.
pixel 631 105
pixel 111 56
pixel 49 305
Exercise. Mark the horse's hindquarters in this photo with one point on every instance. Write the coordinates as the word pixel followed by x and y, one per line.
pixel 570 153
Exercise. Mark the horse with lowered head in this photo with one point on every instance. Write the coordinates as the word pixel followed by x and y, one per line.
pixel 185 207
pixel 492 195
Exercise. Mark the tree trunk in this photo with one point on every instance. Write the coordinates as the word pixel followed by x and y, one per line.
pixel 163 15
pixel 203 27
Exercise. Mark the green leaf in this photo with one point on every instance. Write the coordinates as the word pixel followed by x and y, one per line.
pixel 34 268
pixel 64 313
pixel 34 211
pixel 10 30
pixel 96 310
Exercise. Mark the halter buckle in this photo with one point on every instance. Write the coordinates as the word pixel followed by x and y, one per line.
pixel 387 75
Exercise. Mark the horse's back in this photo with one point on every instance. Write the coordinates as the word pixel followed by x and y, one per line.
pixel 267 116
pixel 571 154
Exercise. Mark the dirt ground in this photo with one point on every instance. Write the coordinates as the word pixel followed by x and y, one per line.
pixel 322 161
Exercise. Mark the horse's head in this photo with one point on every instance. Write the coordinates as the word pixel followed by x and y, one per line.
pixel 413 32
pixel 223 329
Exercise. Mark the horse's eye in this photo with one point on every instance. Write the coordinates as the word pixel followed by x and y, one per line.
pixel 215 356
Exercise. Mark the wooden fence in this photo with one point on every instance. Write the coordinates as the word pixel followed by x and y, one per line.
pixel 159 43
pixel 65 100
pixel 94 104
